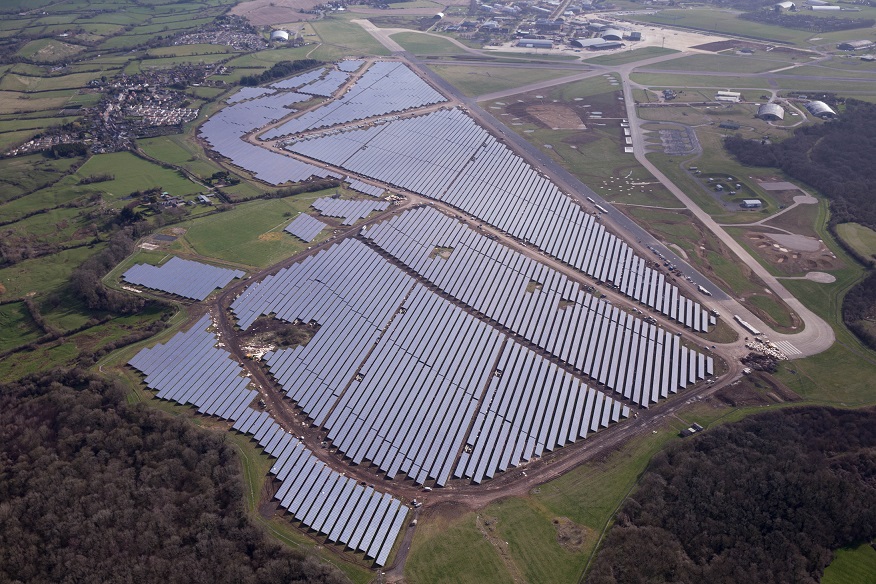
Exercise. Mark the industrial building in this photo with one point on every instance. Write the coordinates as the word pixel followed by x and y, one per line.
pixel 535 43
pixel 854 45
pixel 730 96
pixel 820 109
pixel 826 8
pixel 751 204
pixel 596 44
pixel 635 36
pixel 785 6
pixel 280 35
pixel 613 34
pixel 771 111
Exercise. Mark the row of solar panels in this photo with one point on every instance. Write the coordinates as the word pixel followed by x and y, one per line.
pixel 538 303
pixel 324 500
pixel 326 86
pixel 182 277
pixel 365 188
pixel 531 406
pixel 413 364
pixel 415 396
pixel 348 209
pixel 384 88
pixel 305 227
pixel 445 155
pixel 190 369
pixel 224 132
pixel 245 93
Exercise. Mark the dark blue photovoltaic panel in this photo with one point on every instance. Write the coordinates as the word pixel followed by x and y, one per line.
pixel 182 277
pixel 305 227
pixel 350 210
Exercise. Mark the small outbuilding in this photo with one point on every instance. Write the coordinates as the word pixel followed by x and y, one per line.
pixel 771 111
pixel 535 43
pixel 751 204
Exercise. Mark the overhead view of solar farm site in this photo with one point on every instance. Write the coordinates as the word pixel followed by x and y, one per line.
pixel 437 292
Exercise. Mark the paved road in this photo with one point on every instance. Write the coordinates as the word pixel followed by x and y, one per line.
pixel 817 335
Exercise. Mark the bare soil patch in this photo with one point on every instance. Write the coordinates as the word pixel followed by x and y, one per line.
pixel 570 535
pixel 754 390
pixel 792 261
pixel 556 116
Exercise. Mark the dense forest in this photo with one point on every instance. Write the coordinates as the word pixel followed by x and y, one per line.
pixel 95 490
pixel 765 499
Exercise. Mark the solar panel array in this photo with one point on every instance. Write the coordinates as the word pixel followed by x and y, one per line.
pixel 326 86
pixel 352 292
pixel 305 227
pixel 394 373
pixel 540 304
pixel 299 80
pixel 386 87
pixel 224 131
pixel 190 369
pixel 245 93
pixel 445 155
pixel 348 209
pixel 349 66
pixel 532 406
pixel 182 277
pixel 419 390
pixel 324 500
pixel 365 188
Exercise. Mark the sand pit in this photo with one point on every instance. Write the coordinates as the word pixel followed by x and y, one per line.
pixel 796 242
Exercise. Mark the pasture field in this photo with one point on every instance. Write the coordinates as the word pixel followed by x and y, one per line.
pixel 17 102
pixel 724 22
pixel 179 150
pixel 16 137
pixel 427 44
pixel 134 174
pixel 26 173
pixel 852 566
pixel 48 50
pixel 252 233
pixel 16 326
pixel 13 82
pixel 43 275
pixel 475 80
pixel 342 38
pixel 861 239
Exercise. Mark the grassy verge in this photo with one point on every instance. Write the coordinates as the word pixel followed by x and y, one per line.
pixel 852 566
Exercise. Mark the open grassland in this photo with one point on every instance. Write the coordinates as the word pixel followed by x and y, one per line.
pixel 453 550
pixel 693 80
pixel 134 174
pixel 427 44
pixel 475 80
pixel 252 233
pixel 852 566
pixel 43 275
pixel 27 173
pixel 180 150
pixel 16 326
pixel 17 102
pixel 861 239
pixel 342 38
pixel 13 82
pixel 48 50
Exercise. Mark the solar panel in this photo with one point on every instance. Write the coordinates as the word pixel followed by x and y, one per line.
pixel 305 227
pixel 182 277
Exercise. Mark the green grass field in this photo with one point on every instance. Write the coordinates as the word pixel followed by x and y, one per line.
pixel 16 326
pixel 724 22
pixel 475 80
pixel 427 44
pixel 861 239
pixel 252 233
pixel 726 63
pixel 342 38
pixel 852 566
pixel 45 274
pixel 624 57
pixel 134 174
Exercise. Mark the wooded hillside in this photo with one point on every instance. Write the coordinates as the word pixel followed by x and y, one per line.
pixel 95 490
pixel 766 499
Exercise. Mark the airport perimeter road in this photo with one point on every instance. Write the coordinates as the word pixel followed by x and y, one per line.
pixel 816 336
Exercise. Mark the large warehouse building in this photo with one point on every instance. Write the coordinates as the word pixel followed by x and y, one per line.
pixel 855 45
pixel 535 43
pixel 771 111
pixel 613 34
pixel 280 35
pixel 820 109
pixel 596 44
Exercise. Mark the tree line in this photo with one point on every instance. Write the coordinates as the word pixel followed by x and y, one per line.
pixel 279 71
pixel 766 499
pixel 95 490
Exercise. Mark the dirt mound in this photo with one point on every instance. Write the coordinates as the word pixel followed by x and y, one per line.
pixel 570 535
pixel 556 116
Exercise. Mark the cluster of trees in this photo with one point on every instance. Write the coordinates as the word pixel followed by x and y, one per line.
pixel 66 150
pixel 835 158
pixel 859 310
pixel 96 178
pixel 765 499
pixel 807 22
pixel 280 70
pixel 85 281
pixel 95 490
